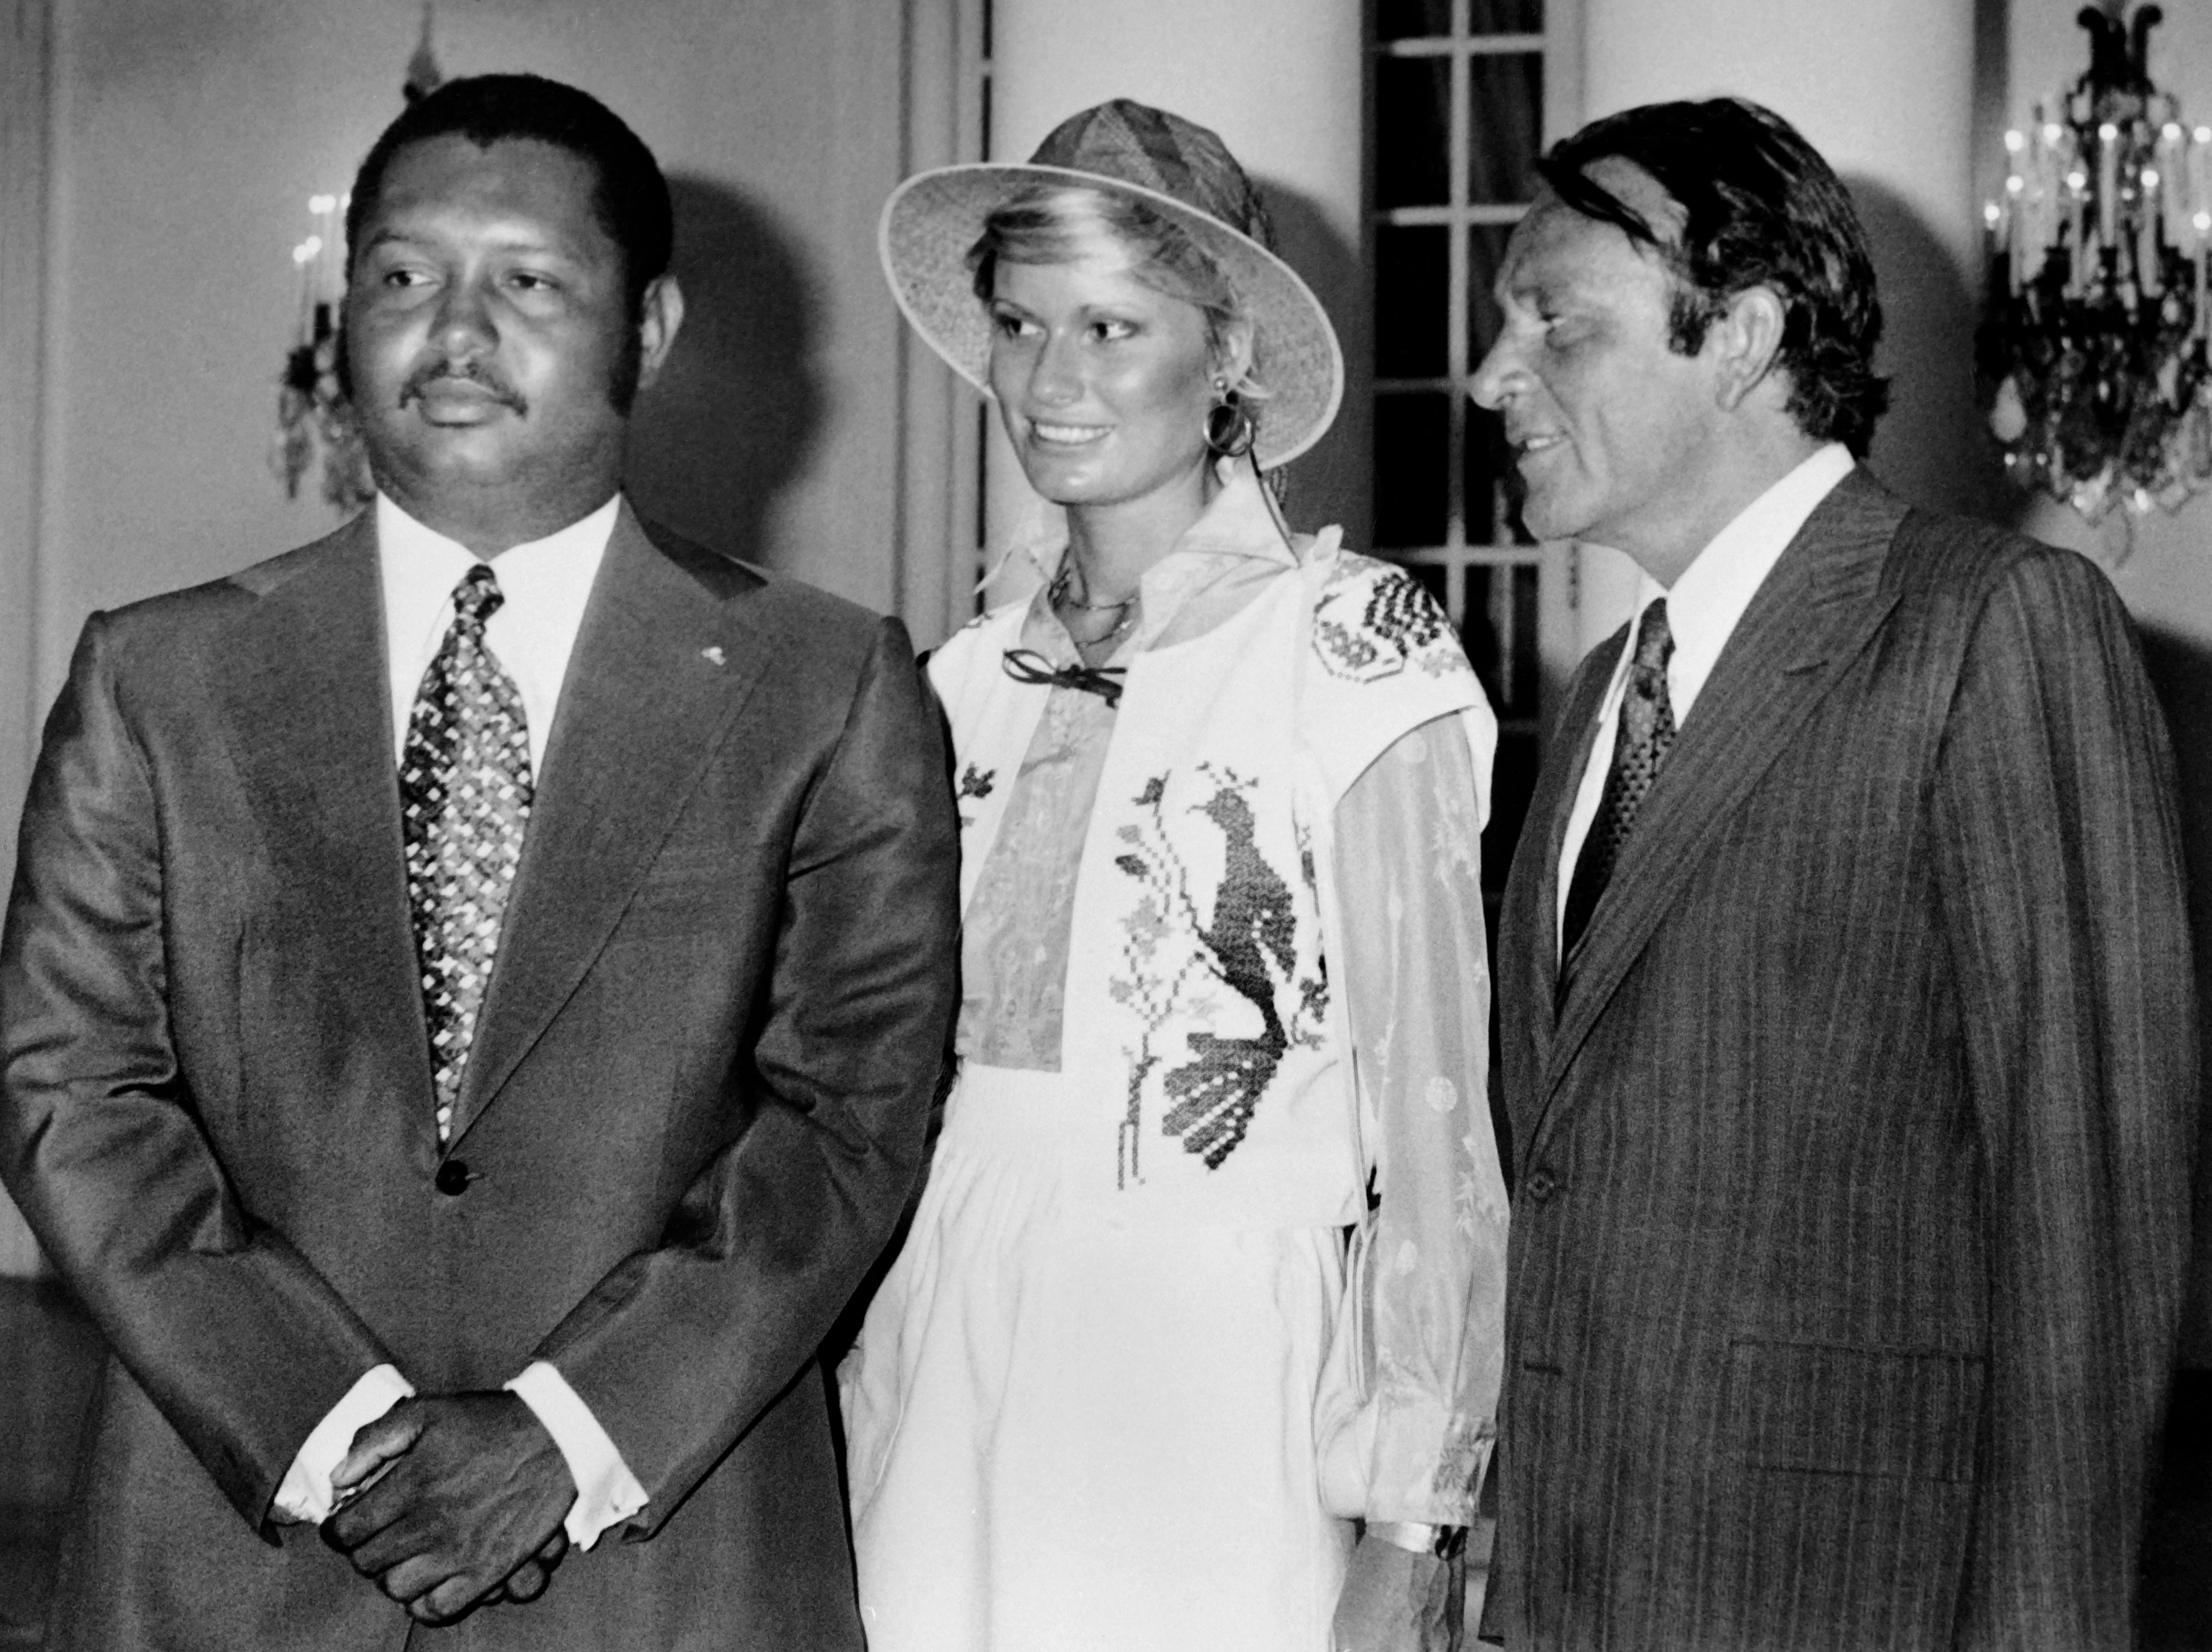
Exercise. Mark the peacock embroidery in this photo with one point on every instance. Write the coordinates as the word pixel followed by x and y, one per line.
pixel 1175 955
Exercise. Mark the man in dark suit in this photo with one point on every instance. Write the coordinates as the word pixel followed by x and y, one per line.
pixel 472 992
pixel 1848 1034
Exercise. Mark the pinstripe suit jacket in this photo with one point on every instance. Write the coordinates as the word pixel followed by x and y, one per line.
pixel 1853 1159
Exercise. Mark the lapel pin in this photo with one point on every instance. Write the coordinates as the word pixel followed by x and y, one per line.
pixel 715 654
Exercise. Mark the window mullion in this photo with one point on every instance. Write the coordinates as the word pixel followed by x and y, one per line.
pixel 1461 125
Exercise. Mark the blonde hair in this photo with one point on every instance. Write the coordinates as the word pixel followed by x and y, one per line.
pixel 1046 223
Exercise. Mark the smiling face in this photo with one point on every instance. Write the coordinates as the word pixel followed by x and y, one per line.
pixel 1612 430
pixel 1103 382
pixel 491 345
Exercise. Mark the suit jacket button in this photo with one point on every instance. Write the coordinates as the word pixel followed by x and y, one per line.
pixel 1542 1184
pixel 453 1177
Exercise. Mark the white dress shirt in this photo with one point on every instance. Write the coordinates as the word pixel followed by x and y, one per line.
pixel 1703 608
pixel 546 584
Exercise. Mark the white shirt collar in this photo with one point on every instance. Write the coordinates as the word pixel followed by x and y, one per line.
pixel 546 584
pixel 1237 521
pixel 1215 566
pixel 1709 597
pixel 1702 609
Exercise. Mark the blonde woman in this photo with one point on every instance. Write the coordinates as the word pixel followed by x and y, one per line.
pixel 1127 1385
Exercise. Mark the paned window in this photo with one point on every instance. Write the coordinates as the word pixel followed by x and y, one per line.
pixel 1465 94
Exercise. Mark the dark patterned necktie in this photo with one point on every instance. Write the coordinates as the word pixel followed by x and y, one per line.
pixel 465 793
pixel 1640 746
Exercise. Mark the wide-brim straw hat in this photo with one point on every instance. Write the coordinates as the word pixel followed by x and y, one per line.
pixel 1182 171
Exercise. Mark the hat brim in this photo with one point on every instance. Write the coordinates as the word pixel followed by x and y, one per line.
pixel 933 218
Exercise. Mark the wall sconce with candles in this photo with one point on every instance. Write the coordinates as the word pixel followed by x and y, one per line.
pixel 2094 345
pixel 314 422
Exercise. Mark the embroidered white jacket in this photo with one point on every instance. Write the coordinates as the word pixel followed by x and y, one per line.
pixel 1206 1030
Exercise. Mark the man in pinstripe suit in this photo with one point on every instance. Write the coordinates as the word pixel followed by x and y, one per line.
pixel 1848 1034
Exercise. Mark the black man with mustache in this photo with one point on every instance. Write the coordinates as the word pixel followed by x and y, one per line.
pixel 473 990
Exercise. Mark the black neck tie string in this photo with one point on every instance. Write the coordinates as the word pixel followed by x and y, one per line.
pixel 1028 665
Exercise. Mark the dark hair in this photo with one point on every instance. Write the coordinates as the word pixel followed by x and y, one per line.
pixel 630 199
pixel 1761 209
pixel 1043 225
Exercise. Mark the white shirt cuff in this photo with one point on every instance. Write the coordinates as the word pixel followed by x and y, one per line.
pixel 306 1495
pixel 607 1493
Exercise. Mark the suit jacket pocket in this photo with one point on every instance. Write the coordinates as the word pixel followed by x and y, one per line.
pixel 1826 1409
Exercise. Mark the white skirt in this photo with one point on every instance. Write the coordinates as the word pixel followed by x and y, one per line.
pixel 1066 1432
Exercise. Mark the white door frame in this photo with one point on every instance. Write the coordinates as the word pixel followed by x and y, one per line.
pixel 936 536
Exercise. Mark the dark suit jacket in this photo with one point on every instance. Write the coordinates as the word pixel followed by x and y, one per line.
pixel 1853 1163
pixel 693 1111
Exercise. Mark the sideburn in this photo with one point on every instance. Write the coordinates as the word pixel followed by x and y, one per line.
pixel 629 366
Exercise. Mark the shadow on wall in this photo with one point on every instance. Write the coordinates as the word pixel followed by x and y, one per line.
pixel 2178 1585
pixel 1330 483
pixel 734 416
pixel 2181 672
pixel 1931 446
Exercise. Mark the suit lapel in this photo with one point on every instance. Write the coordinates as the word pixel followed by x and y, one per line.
pixel 309 726
pixel 1550 809
pixel 1814 612
pixel 662 665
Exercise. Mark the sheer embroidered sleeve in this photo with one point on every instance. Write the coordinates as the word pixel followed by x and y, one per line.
pixel 1426 1313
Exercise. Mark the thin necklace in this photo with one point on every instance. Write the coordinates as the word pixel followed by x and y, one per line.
pixel 1125 612
pixel 1112 631
pixel 1059 596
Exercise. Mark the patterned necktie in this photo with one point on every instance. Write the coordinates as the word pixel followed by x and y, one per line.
pixel 464 793
pixel 1640 746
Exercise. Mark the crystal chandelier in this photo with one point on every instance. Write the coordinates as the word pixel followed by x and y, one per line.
pixel 2094 345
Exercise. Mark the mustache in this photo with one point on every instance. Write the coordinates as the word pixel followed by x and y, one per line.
pixel 474 372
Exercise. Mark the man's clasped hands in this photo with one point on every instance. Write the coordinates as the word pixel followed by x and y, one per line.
pixel 449 1502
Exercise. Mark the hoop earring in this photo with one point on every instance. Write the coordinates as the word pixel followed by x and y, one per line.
pixel 1230 431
